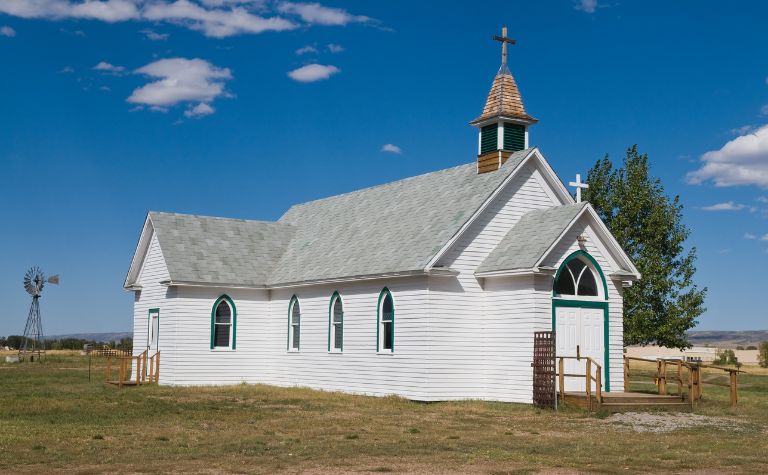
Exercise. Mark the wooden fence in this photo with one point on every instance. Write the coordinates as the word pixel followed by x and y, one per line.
pixel 683 375
pixel 147 369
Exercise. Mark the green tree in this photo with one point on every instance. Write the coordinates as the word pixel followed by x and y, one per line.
pixel 666 302
pixel 762 357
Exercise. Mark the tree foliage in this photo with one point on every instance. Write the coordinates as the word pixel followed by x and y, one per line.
pixel 666 302
pixel 762 357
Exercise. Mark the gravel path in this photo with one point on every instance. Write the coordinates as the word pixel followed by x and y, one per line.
pixel 668 422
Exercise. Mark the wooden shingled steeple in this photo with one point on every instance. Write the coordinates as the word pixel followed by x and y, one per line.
pixel 503 125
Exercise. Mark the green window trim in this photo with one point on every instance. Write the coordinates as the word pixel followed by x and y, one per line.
pixel 149 325
pixel 588 257
pixel 213 321
pixel 489 138
pixel 334 296
pixel 294 301
pixel 384 292
pixel 564 302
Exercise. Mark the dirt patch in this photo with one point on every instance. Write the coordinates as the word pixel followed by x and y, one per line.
pixel 668 422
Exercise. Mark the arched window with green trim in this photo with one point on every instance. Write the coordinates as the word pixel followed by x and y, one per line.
pixel 294 324
pixel 224 323
pixel 386 322
pixel 580 276
pixel 336 323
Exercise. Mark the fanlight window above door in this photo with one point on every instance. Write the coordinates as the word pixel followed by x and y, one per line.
pixel 577 278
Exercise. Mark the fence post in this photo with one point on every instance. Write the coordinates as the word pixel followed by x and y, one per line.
pixel 157 367
pixel 561 378
pixel 734 397
pixel 599 383
pixel 626 375
pixel 661 373
pixel 589 381
pixel 680 379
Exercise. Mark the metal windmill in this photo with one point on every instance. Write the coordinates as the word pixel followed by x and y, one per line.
pixel 33 341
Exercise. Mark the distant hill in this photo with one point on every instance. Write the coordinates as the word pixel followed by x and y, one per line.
pixel 100 337
pixel 727 339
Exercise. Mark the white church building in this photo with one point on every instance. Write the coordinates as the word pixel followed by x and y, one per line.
pixel 430 287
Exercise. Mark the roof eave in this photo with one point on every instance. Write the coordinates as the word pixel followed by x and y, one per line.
pixel 488 118
pixel 352 278
pixel 543 270
pixel 181 283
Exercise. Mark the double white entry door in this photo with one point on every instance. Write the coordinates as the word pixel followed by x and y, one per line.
pixel 579 331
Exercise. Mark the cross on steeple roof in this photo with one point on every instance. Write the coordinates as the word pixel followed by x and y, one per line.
pixel 504 99
pixel 504 40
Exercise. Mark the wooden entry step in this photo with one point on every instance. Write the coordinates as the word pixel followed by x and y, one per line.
pixel 626 402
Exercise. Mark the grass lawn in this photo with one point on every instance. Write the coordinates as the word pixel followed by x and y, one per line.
pixel 52 419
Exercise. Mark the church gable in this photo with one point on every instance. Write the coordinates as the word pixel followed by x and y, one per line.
pixel 588 233
pixel 531 186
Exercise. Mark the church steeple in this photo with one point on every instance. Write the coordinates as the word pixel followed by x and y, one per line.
pixel 503 125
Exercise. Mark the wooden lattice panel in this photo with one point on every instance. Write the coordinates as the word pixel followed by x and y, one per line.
pixel 544 369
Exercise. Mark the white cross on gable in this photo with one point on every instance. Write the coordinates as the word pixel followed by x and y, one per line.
pixel 579 185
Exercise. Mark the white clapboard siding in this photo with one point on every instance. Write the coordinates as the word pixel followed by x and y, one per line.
pixel 485 339
pixel 567 246
pixel 262 356
pixel 152 295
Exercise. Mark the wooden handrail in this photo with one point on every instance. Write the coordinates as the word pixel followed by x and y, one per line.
pixel 694 381
pixel 144 362
pixel 597 378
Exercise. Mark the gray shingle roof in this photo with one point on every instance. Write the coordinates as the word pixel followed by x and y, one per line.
pixel 527 241
pixel 210 250
pixel 396 227
pixel 392 228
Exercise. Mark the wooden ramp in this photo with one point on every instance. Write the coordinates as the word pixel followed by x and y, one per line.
pixel 627 402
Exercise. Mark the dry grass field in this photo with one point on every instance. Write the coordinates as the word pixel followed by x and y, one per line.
pixel 52 419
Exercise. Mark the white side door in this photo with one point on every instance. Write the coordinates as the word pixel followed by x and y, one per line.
pixel 154 330
pixel 579 331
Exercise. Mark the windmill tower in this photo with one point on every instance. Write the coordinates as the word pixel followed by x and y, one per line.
pixel 33 342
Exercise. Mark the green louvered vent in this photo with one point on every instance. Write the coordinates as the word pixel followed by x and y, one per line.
pixel 514 137
pixel 489 138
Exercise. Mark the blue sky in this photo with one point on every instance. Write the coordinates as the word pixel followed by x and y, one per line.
pixel 241 108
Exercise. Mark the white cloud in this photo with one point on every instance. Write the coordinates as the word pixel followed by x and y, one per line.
pixel 334 48
pixel 152 35
pixel 744 129
pixel 107 10
pixel 306 49
pixel 313 72
pixel 750 236
pixel 67 70
pixel 216 18
pixel 315 13
pixel 217 23
pixel 109 68
pixel 199 110
pixel 588 6
pixel 742 161
pixel 764 110
pixel 391 148
pixel 181 80
pixel 726 206
pixel 7 31
pixel 762 199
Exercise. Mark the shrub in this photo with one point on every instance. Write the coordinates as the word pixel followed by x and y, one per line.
pixel 762 357
pixel 751 347
pixel 727 357
pixel 739 347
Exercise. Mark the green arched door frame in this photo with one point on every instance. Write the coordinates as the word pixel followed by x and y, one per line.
pixel 602 304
